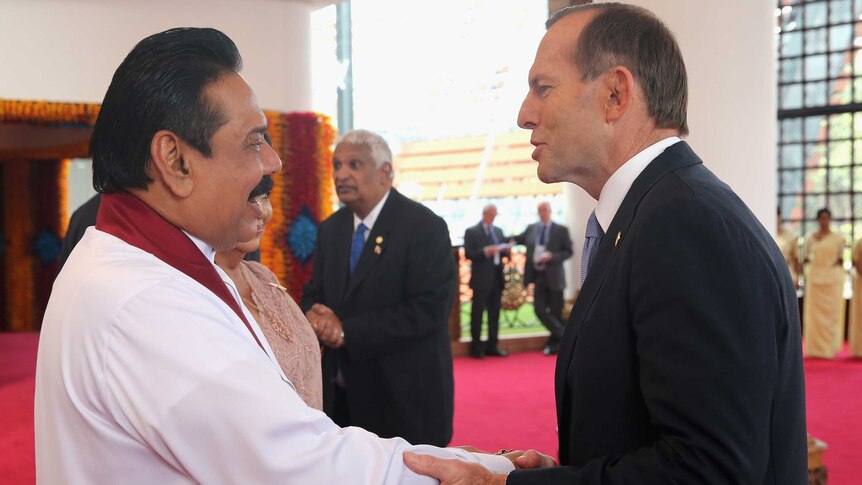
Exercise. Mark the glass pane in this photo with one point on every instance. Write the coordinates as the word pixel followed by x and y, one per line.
pixel 791 207
pixel 839 64
pixel 857 90
pixel 840 11
pixel 791 130
pixel 841 92
pixel 791 44
pixel 790 19
pixel 791 156
pixel 815 41
pixel 857 206
pixel 840 37
pixel 815 154
pixel 790 181
pixel 813 203
pixel 839 179
pixel 841 126
pixel 857 179
pixel 815 94
pixel 791 70
pixel 815 128
pixel 815 180
pixel 857 152
pixel 815 15
pixel 815 67
pixel 839 153
pixel 857 8
pixel 791 96
pixel 840 205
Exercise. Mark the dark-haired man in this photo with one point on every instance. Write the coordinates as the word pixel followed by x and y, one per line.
pixel 663 376
pixel 150 368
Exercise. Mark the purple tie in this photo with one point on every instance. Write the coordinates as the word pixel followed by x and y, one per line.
pixel 592 240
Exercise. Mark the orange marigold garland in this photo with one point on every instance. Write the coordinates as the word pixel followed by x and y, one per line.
pixel 18 256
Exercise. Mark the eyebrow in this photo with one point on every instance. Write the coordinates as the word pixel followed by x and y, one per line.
pixel 258 130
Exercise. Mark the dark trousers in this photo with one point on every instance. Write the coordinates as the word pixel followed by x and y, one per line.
pixel 486 298
pixel 549 307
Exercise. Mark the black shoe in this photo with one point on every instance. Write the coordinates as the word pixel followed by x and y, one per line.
pixel 497 352
pixel 477 353
pixel 550 349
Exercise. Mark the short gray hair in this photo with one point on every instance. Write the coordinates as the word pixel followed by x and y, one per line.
pixel 380 151
pixel 634 37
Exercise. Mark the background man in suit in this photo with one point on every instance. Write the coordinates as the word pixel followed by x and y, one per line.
pixel 483 247
pixel 379 297
pixel 548 245
pixel 663 376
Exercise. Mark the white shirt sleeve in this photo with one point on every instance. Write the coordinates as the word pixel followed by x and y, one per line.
pixel 183 377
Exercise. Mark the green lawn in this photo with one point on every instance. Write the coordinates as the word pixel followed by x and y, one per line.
pixel 512 322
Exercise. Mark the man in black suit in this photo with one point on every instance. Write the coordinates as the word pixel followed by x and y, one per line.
pixel 484 246
pixel 681 362
pixel 382 285
pixel 548 245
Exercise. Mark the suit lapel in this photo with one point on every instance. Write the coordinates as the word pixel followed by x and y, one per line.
pixel 373 249
pixel 342 240
pixel 674 157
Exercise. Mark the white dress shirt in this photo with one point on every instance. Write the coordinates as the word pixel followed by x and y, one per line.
pixel 621 181
pixel 145 376
pixel 371 218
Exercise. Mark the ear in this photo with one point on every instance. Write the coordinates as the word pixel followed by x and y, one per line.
pixel 386 168
pixel 168 164
pixel 620 84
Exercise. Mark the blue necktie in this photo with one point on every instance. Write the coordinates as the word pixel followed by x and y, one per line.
pixel 356 246
pixel 592 240
pixel 493 234
pixel 542 235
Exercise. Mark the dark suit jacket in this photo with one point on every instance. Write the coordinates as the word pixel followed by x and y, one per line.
pixel 559 244
pixel 681 362
pixel 482 270
pixel 397 361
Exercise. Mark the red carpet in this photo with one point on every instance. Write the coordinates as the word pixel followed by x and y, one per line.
pixel 499 403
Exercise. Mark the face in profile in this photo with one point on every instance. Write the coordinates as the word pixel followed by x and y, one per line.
pixel 240 157
pixel 359 183
pixel 261 210
pixel 564 113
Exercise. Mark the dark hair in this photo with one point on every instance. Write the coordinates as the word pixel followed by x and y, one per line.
pixel 160 85
pixel 631 36
pixel 263 187
pixel 826 211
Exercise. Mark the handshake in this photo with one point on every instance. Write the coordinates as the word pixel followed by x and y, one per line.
pixel 457 472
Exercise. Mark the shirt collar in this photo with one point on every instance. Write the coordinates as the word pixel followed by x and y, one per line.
pixel 621 181
pixel 207 250
pixel 371 218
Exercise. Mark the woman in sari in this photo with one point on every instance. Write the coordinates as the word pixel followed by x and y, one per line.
pixel 823 307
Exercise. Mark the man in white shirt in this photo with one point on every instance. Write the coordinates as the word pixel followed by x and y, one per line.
pixel 681 362
pixel 150 369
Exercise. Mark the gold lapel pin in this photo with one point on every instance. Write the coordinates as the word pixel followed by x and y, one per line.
pixel 377 250
pixel 619 236
pixel 379 240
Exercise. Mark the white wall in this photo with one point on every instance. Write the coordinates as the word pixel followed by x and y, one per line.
pixel 67 50
pixel 729 52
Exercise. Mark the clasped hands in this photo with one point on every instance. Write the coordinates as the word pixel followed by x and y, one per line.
pixel 457 472
pixel 326 325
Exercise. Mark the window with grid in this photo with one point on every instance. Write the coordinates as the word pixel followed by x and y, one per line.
pixel 820 113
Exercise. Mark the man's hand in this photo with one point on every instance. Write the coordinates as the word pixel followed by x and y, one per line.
pixel 326 325
pixel 532 459
pixel 452 472
pixel 546 256
pixel 491 250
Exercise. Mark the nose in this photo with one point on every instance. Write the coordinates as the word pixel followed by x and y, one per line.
pixel 271 160
pixel 528 117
